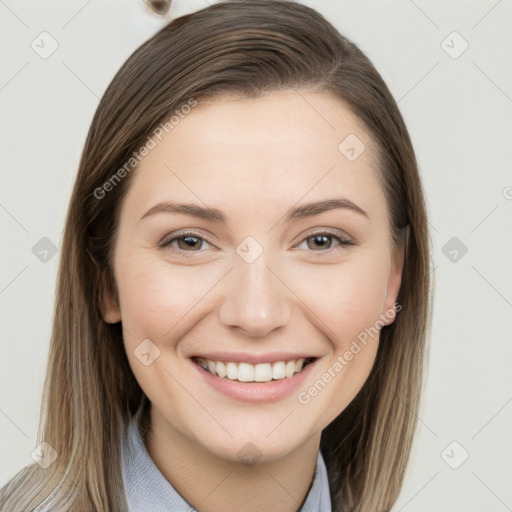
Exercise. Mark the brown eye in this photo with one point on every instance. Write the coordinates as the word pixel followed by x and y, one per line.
pixel 322 242
pixel 186 242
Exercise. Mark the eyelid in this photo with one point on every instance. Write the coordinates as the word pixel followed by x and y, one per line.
pixel 339 243
pixel 167 239
pixel 336 233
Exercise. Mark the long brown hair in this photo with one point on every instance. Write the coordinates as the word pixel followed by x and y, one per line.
pixel 248 48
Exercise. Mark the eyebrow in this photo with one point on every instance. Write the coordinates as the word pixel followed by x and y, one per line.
pixel 297 212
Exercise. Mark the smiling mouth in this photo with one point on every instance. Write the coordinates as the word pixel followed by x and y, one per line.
pixel 260 372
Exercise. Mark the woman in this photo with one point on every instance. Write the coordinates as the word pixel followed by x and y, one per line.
pixel 243 299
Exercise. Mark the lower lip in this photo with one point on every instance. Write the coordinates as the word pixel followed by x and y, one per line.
pixel 271 391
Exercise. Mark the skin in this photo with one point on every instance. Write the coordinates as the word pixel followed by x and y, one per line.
pixel 253 159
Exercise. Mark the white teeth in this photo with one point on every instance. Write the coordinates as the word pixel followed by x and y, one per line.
pixel 246 372
pixel 211 367
pixel 262 372
pixel 232 371
pixel 279 370
pixel 221 369
pixel 290 368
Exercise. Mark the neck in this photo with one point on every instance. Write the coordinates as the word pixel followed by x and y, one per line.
pixel 211 483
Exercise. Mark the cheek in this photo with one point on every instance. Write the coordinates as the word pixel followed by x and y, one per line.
pixel 158 299
pixel 346 304
pixel 344 300
pixel 159 302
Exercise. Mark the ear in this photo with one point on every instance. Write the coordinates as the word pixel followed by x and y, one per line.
pixel 109 301
pixel 393 284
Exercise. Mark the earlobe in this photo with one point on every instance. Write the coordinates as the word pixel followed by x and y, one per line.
pixel 393 287
pixel 111 313
pixel 109 302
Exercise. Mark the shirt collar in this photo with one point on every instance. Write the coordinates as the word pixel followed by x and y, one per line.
pixel 147 490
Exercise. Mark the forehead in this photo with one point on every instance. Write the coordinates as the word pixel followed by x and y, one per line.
pixel 274 149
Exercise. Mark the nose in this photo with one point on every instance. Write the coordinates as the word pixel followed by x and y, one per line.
pixel 256 301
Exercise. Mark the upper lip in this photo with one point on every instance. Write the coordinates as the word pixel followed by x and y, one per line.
pixel 244 357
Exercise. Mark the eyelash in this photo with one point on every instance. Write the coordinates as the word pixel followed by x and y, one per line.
pixel 339 237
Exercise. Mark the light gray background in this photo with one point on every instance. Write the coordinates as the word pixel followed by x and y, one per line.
pixel 459 113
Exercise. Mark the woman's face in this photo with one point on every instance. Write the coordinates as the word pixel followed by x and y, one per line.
pixel 232 249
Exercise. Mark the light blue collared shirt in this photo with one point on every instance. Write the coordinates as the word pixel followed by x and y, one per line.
pixel 147 490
